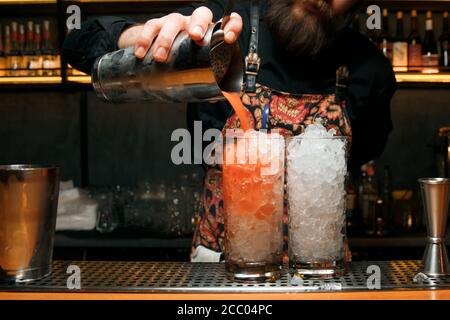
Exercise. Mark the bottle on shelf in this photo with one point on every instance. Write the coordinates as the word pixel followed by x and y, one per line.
pixel 37 58
pixel 385 40
pixel 23 59
pixel 400 46
pixel 2 55
pixel 14 59
pixel 380 222
pixel 368 196
pixel 50 59
pixel 29 51
pixel 414 44
pixel 430 56
pixel 444 41
pixel 7 50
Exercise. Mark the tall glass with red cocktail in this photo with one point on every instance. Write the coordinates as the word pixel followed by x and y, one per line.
pixel 253 180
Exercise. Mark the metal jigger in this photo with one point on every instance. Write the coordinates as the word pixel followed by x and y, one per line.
pixel 435 196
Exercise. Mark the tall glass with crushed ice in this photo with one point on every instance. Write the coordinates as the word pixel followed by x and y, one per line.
pixel 316 174
pixel 253 192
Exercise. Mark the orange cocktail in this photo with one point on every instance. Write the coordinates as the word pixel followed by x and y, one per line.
pixel 253 180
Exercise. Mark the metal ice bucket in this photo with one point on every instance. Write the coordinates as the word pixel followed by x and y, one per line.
pixel 28 203
pixel 195 71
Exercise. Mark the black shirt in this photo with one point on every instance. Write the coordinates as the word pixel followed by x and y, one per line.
pixel 370 88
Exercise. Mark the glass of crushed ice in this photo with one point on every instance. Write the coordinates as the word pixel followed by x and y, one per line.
pixel 316 169
pixel 253 192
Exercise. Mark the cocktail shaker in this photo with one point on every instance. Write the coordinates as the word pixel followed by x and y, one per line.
pixel 28 206
pixel 195 71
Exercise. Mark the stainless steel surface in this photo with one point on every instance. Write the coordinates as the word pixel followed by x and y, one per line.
pixel 194 72
pixel 210 277
pixel 28 203
pixel 436 196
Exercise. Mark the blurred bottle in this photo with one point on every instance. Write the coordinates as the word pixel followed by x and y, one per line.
pixel 29 52
pixel 13 55
pixel 404 218
pixel 3 64
pixel 386 196
pixel 400 47
pixel 368 195
pixel 385 40
pixel 380 222
pixel 414 44
pixel 37 58
pixel 23 59
pixel 444 41
pixel 8 49
pixel 50 59
pixel 430 56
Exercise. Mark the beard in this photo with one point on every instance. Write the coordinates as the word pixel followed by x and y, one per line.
pixel 304 27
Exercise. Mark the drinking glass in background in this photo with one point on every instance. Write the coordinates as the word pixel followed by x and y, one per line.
pixel 107 219
pixel 253 193
pixel 316 175
pixel 163 208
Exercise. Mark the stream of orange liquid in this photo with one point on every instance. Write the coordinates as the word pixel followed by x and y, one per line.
pixel 235 100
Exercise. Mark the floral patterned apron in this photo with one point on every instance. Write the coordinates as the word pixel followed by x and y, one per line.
pixel 268 108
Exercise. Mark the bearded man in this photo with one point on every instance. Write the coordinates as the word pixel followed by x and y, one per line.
pixel 303 63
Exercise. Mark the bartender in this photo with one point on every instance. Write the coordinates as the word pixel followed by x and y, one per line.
pixel 303 63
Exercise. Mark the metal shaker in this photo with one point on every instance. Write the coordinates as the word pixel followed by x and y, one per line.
pixel 28 205
pixel 194 72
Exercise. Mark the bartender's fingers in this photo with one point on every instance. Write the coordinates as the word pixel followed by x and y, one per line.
pixel 233 28
pixel 145 39
pixel 173 24
pixel 198 23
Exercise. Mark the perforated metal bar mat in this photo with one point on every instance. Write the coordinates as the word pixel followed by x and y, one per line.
pixel 210 277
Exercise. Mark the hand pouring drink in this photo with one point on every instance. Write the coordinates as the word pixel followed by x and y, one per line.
pixel 195 71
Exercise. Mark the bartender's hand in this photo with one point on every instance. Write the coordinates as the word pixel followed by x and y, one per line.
pixel 165 30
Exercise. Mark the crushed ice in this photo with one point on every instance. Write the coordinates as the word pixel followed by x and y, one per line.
pixel 316 172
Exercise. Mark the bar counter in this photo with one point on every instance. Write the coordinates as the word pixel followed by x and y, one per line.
pixel 207 281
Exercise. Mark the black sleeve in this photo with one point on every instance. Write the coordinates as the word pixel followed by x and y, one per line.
pixel 97 37
pixel 373 122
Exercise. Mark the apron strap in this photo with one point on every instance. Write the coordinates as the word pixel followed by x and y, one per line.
pixel 252 60
pixel 342 74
